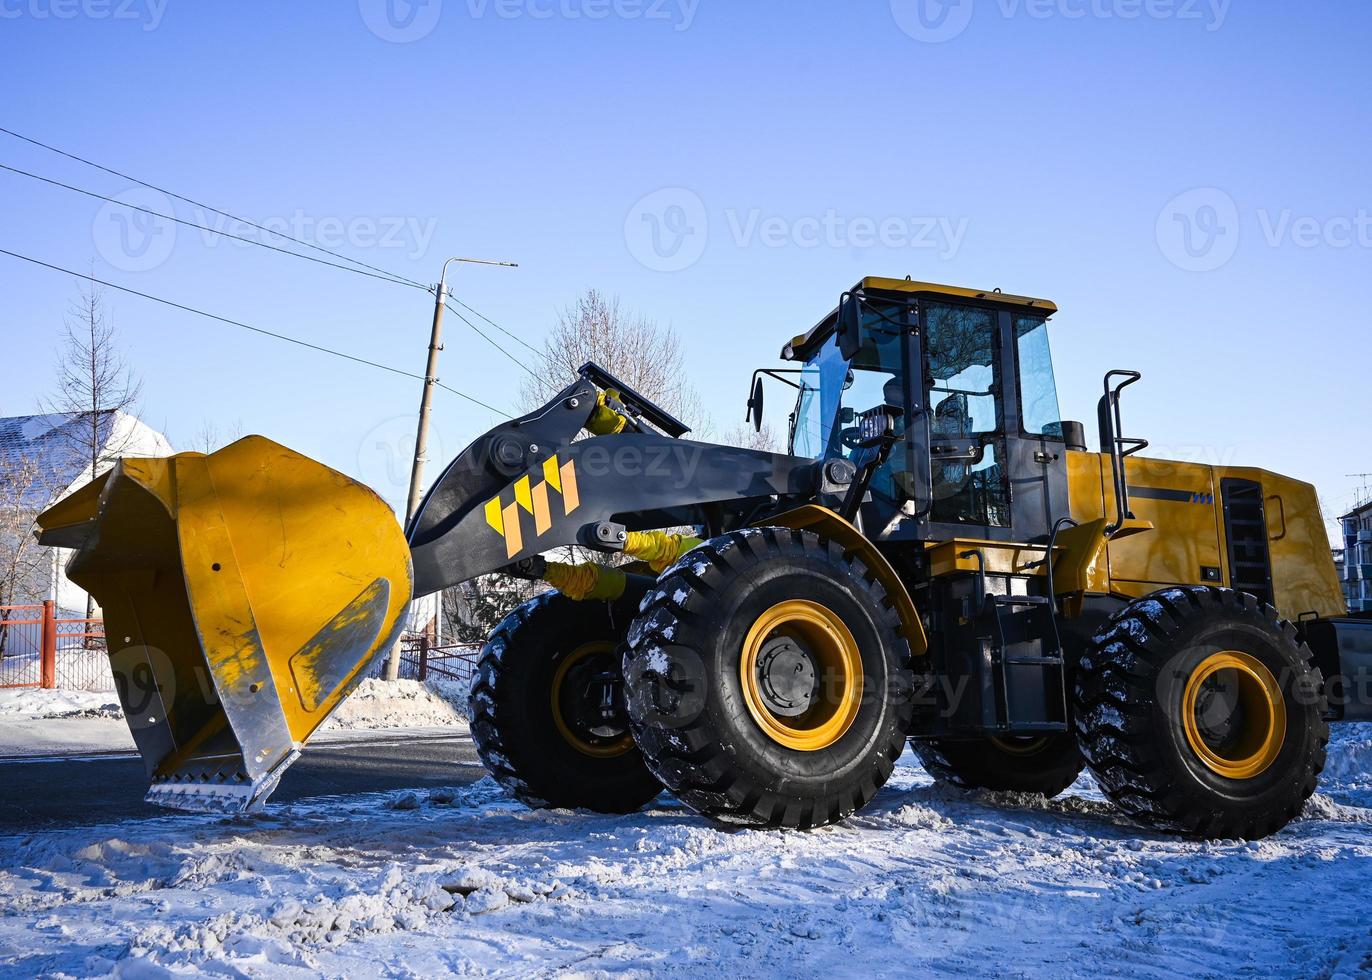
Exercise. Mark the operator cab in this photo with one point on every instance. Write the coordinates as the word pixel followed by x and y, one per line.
pixel 967 378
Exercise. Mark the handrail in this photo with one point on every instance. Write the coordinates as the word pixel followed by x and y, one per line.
pixel 1114 443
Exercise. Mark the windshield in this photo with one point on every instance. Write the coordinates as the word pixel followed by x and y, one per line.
pixel 834 392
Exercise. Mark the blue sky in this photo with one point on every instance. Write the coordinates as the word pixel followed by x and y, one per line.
pixel 1188 181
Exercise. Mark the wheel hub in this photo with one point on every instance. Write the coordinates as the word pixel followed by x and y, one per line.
pixel 588 702
pixel 1233 715
pixel 786 677
pixel 801 674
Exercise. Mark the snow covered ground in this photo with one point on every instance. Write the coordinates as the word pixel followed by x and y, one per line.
pixel 35 702
pixel 469 882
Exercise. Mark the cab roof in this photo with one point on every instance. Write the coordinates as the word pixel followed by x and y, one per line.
pixel 802 346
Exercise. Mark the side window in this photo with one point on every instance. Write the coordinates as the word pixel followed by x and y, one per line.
pixel 967 451
pixel 961 346
pixel 1038 390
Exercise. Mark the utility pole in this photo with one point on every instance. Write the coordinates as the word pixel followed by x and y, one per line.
pixel 421 436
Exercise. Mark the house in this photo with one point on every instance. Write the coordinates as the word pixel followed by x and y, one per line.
pixel 1357 557
pixel 45 457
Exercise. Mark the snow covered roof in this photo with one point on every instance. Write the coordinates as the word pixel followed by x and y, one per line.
pixel 48 440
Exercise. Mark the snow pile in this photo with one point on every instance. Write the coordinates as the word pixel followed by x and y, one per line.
pixel 1349 761
pixel 33 702
pixel 400 704
pixel 465 881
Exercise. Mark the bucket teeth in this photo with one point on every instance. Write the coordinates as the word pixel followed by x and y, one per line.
pixel 226 790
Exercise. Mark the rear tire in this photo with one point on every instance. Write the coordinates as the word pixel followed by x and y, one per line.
pixel 1199 712
pixel 767 681
pixel 558 751
pixel 1043 764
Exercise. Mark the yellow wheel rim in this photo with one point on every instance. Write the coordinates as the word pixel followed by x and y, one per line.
pixel 1256 714
pixel 802 630
pixel 607 749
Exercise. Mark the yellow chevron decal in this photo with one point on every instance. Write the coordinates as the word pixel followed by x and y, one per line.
pixel 502 513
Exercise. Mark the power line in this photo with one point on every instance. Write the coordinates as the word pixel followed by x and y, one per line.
pixel 258 330
pixel 385 277
pixel 507 333
pixel 475 329
pixel 379 273
pixel 198 204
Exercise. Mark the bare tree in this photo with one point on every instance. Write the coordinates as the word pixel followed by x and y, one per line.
pixel 747 437
pixel 23 571
pixel 633 348
pixel 93 384
pixel 209 438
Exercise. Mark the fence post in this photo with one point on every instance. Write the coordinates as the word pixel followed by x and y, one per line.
pixel 424 657
pixel 49 661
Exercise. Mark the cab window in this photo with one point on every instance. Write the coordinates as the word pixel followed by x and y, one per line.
pixel 1039 414
pixel 967 451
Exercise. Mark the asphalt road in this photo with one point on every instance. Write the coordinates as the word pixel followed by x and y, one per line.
pixel 40 793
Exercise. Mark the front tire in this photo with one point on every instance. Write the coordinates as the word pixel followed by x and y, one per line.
pixel 537 708
pixel 767 681
pixel 1199 712
pixel 1042 764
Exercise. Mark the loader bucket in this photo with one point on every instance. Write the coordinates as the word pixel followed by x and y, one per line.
pixel 245 593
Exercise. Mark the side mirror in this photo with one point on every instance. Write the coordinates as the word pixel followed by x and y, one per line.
pixel 849 326
pixel 755 405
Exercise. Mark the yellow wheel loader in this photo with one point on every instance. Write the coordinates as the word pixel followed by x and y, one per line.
pixel 938 559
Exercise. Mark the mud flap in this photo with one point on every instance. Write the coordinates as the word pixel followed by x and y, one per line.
pixel 245 593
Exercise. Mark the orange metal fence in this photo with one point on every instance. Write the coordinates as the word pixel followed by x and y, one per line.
pixel 39 650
